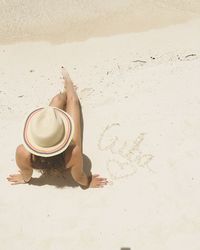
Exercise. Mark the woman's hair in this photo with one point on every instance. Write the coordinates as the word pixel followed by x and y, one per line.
pixel 49 165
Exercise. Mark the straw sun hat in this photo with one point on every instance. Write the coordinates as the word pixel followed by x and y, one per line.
pixel 47 131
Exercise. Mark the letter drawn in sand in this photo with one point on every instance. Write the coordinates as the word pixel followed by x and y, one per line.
pixel 102 141
pixel 126 158
pixel 135 146
pixel 119 170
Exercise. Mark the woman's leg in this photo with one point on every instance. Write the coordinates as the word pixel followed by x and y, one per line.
pixel 64 99
pixel 69 87
pixel 59 101
pixel 73 107
pixel 69 102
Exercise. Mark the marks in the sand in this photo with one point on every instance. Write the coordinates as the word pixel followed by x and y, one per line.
pixel 165 58
pixel 118 69
pixel 135 64
pixel 168 57
pixel 5 109
pixel 139 61
pixel 189 57
pixel 85 93
pixel 126 157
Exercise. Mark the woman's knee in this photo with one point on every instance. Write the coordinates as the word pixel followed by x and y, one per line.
pixel 58 101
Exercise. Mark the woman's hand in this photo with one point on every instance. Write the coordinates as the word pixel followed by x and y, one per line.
pixel 16 179
pixel 98 182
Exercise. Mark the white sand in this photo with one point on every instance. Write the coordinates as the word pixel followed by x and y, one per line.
pixel 69 20
pixel 141 132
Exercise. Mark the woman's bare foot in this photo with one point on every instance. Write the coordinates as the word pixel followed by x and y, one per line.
pixel 67 79
pixel 65 74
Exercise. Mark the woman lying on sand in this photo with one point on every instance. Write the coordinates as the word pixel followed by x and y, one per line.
pixel 53 140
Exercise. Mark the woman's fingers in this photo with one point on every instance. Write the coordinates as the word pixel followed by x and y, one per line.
pixel 15 179
pixel 15 183
pixel 101 179
pixel 14 175
pixel 98 182
pixel 101 185
pixel 10 178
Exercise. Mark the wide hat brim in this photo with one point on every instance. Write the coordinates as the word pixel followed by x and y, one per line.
pixel 31 145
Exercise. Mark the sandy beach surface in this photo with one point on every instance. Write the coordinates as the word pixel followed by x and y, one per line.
pixel 140 98
pixel 69 20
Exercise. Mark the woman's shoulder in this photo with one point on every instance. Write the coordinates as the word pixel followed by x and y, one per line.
pixel 22 153
pixel 23 157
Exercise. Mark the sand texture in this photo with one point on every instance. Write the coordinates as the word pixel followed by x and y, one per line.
pixel 141 104
pixel 69 20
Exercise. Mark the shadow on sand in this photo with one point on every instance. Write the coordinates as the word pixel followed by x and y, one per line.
pixel 62 181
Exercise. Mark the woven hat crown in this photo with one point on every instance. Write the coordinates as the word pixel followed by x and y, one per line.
pixel 47 131
pixel 47 127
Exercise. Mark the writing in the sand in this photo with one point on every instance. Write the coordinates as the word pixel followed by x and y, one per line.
pixel 126 156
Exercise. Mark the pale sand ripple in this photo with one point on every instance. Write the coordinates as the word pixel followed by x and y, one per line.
pixel 65 20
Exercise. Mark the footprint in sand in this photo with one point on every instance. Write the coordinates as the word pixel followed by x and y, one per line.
pixel 85 93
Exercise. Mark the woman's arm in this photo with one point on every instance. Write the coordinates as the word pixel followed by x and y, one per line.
pixel 23 162
pixel 76 165
pixel 92 181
